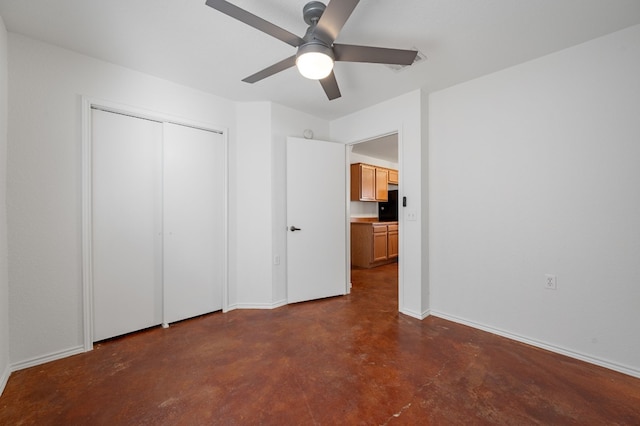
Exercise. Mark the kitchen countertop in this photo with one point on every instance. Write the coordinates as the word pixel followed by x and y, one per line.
pixel 370 221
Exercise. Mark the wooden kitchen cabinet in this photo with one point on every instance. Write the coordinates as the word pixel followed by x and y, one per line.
pixel 393 177
pixel 379 251
pixel 382 183
pixel 373 243
pixel 392 241
pixel 369 183
pixel 365 182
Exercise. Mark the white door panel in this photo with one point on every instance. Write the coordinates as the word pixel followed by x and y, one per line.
pixel 126 224
pixel 158 236
pixel 194 246
pixel 316 203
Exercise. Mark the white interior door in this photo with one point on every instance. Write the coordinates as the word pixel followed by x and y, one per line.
pixel 194 221
pixel 126 224
pixel 316 204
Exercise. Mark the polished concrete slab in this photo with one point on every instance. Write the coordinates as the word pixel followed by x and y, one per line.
pixel 349 360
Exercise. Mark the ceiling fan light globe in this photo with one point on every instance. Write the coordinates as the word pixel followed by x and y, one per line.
pixel 314 65
pixel 314 61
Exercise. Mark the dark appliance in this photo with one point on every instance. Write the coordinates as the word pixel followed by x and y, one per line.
pixel 388 210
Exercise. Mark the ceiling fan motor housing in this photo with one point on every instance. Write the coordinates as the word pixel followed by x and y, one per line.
pixel 317 47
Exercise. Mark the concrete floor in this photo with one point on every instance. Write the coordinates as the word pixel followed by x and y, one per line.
pixel 349 360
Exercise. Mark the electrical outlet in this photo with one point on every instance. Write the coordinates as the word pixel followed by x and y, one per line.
pixel 551 282
pixel 412 214
pixel 276 259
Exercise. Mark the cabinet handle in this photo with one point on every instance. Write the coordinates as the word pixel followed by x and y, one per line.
pixel 293 229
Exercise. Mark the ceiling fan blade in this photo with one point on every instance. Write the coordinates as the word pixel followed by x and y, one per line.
pixel 273 69
pixel 255 21
pixel 330 86
pixel 377 55
pixel 333 19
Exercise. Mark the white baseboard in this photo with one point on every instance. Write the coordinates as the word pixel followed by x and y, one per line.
pixel 279 303
pixel 552 348
pixel 230 308
pixel 47 358
pixel 273 305
pixel 416 315
pixel 4 379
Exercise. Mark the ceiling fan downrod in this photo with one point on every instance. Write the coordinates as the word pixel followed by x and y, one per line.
pixel 312 11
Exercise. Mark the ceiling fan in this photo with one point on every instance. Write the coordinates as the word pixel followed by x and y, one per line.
pixel 317 51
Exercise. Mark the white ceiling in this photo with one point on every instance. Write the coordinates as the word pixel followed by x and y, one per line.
pixel 189 43
pixel 383 148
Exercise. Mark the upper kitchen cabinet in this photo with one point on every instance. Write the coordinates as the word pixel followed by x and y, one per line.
pixel 369 183
pixel 393 176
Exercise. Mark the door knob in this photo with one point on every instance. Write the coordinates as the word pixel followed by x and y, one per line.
pixel 293 229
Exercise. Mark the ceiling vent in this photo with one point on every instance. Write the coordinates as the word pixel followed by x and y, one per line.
pixel 419 58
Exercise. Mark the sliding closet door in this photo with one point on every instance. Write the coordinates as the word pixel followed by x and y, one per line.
pixel 194 227
pixel 126 224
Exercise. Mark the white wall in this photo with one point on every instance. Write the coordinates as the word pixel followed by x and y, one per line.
pixel 44 181
pixel 286 122
pixel 4 281
pixel 361 158
pixel 425 200
pixel 402 115
pixel 363 209
pixel 254 205
pixel 536 170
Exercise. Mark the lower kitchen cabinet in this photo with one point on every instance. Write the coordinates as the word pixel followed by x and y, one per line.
pixel 379 243
pixel 392 241
pixel 373 243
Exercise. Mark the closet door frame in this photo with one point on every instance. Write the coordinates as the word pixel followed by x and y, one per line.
pixel 87 211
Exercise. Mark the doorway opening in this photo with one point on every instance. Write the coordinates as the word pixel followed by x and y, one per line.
pixel 374 204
